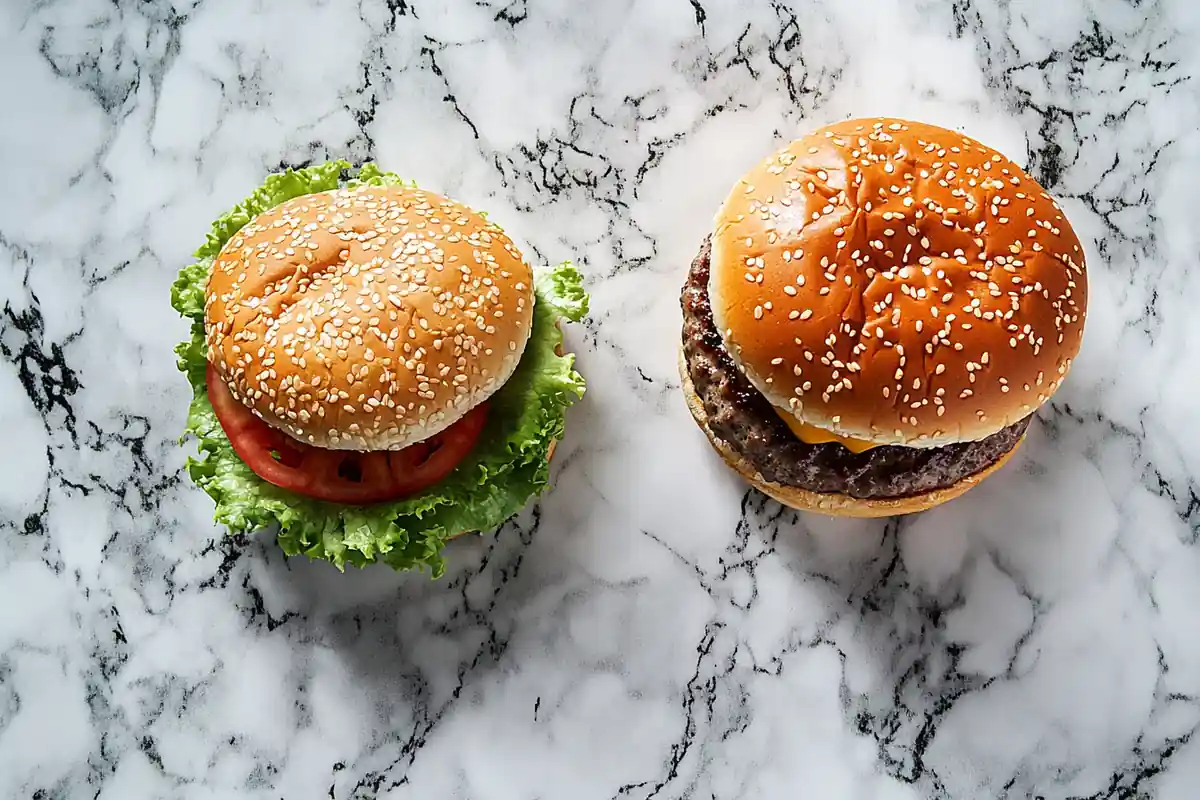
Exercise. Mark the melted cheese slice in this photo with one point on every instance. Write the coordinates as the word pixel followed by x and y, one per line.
pixel 811 434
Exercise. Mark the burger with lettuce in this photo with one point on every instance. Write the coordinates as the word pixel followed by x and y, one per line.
pixel 375 368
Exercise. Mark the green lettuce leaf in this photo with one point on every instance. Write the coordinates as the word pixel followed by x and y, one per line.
pixel 508 466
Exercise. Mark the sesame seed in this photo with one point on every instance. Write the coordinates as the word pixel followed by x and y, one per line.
pixel 336 329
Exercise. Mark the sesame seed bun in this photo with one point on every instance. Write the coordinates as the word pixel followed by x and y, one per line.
pixel 837 505
pixel 368 318
pixel 898 283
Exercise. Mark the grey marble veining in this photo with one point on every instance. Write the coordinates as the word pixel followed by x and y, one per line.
pixel 650 629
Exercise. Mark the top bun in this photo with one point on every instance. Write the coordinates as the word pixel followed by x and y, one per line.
pixel 368 318
pixel 899 283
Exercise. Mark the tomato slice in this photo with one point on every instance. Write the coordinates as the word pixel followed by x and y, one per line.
pixel 431 461
pixel 341 476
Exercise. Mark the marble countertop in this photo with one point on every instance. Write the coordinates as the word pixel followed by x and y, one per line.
pixel 651 629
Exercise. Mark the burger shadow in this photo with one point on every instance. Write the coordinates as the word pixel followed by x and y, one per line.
pixel 933 605
pixel 415 636
pixel 404 639
pixel 846 556
pixel 927 556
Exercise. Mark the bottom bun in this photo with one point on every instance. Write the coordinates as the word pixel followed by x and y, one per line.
pixel 835 505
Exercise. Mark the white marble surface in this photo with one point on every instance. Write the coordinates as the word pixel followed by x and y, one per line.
pixel 651 630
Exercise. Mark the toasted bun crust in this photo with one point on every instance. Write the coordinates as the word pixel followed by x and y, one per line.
pixel 897 282
pixel 835 505
pixel 367 318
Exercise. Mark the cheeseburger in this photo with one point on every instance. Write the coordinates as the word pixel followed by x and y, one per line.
pixel 375 367
pixel 880 309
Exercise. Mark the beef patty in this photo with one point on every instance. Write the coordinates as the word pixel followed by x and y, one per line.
pixel 740 415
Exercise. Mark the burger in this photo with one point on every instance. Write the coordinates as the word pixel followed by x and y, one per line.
pixel 375 368
pixel 880 309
